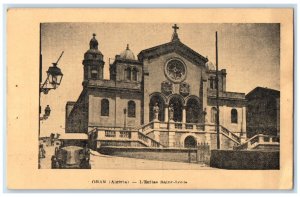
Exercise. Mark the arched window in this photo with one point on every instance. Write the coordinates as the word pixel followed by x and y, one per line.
pixel 94 74
pixel 213 118
pixel 131 109
pixel 104 107
pixel 128 73
pixel 134 74
pixel 234 116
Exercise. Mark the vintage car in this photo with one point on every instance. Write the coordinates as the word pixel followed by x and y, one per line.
pixel 71 157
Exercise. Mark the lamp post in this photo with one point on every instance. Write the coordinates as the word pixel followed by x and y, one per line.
pixel 216 82
pixel 217 95
pixel 125 118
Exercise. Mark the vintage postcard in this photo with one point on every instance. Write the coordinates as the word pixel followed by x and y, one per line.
pixel 150 98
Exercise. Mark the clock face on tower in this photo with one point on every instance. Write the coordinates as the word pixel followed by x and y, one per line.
pixel 175 70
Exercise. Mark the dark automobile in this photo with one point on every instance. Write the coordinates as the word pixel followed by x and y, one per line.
pixel 71 157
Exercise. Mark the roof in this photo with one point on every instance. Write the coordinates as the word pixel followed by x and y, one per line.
pixel 127 54
pixel 72 148
pixel 73 136
pixel 263 92
pixel 173 46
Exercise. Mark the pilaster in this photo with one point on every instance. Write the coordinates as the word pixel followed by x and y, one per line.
pixel 171 139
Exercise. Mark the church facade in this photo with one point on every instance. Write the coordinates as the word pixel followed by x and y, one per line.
pixel 165 98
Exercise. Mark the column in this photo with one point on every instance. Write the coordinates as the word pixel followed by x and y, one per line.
pixel 166 114
pixel 184 114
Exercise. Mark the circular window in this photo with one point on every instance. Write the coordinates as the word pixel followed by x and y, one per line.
pixel 175 70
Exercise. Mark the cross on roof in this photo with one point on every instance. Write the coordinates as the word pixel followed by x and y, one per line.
pixel 175 27
pixel 175 35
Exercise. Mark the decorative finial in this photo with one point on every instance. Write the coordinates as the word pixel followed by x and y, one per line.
pixel 94 42
pixel 175 35
pixel 127 47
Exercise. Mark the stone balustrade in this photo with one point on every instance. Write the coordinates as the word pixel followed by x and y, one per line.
pixel 126 135
pixel 256 140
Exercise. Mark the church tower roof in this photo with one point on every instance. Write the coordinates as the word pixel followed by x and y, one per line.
pixel 93 42
pixel 93 52
pixel 127 54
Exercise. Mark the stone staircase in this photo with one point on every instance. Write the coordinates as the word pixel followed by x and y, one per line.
pixel 260 142
pixel 188 127
pixel 144 136
pixel 118 136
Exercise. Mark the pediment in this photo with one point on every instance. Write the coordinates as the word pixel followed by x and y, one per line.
pixel 170 47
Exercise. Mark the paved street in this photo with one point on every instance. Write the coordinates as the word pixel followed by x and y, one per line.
pixel 99 161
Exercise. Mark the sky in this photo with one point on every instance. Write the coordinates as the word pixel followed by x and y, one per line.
pixel 250 53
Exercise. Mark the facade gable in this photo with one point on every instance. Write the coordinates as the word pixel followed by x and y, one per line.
pixel 174 46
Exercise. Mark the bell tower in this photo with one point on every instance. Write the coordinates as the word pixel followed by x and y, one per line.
pixel 93 62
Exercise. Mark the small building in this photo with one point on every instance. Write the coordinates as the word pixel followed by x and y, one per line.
pixel 263 112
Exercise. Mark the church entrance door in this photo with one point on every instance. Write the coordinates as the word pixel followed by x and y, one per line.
pixel 177 106
pixel 190 142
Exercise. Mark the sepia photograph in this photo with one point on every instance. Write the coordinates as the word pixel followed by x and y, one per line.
pixel 183 96
pixel 121 102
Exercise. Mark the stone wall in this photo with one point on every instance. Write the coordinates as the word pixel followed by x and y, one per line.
pixel 177 155
pixel 117 103
pixel 241 160
pixel 164 138
pixel 225 117
pixel 76 122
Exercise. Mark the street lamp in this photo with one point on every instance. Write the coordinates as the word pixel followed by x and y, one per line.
pixel 54 77
pixel 53 80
